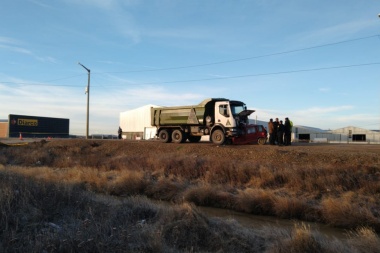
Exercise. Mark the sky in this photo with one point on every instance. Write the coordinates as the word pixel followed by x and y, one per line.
pixel 314 61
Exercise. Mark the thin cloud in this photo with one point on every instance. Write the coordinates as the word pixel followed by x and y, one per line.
pixel 339 31
pixel 324 90
pixel 13 45
pixel 323 110
pixel 16 49
pixel 7 40
pixel 44 5
pixel 47 59
pixel 102 4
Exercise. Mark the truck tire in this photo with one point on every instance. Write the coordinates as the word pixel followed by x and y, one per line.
pixel 194 139
pixel 261 141
pixel 164 136
pixel 178 136
pixel 218 137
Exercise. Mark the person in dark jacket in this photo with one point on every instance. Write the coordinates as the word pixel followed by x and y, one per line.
pixel 287 132
pixel 280 133
pixel 275 126
pixel 119 132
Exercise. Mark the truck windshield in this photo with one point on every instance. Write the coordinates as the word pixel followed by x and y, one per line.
pixel 236 109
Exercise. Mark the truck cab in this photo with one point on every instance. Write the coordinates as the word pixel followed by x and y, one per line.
pixel 231 117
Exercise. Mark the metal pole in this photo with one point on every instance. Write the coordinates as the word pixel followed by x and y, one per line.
pixel 88 98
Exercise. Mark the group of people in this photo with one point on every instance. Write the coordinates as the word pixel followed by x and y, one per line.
pixel 279 132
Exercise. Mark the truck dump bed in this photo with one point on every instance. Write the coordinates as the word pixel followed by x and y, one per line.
pixel 183 115
pixel 177 115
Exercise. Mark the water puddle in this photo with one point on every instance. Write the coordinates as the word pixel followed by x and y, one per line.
pixel 258 221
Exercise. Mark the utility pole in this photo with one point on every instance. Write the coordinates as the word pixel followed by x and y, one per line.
pixel 88 97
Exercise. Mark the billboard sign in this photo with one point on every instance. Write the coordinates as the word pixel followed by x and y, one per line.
pixel 38 127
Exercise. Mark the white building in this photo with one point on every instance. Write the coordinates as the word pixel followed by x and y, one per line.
pixel 348 134
pixel 308 134
pixel 355 134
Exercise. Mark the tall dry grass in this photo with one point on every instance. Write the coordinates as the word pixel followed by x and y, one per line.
pixel 365 240
pixel 40 216
pixel 306 193
pixel 339 195
pixel 343 212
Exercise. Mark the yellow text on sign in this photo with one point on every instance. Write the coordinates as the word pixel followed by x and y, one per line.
pixel 27 122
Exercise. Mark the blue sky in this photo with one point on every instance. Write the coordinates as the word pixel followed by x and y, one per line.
pixel 316 62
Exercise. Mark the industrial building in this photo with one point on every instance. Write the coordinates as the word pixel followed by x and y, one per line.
pixel 355 134
pixel 34 127
pixel 3 128
pixel 136 125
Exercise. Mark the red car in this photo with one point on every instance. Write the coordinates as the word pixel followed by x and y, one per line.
pixel 253 134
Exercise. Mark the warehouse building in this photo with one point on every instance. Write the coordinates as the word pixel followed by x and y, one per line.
pixel 136 125
pixel 348 134
pixel 34 127
pixel 3 128
pixel 354 134
pixel 309 134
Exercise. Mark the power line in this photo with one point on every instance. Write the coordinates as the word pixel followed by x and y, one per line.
pixel 246 58
pixel 43 84
pixel 222 78
pixel 213 63
pixel 262 74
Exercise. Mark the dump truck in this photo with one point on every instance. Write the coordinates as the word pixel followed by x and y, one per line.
pixel 220 118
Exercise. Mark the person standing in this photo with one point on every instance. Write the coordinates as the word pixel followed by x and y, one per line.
pixel 287 132
pixel 271 132
pixel 280 134
pixel 275 127
pixel 119 132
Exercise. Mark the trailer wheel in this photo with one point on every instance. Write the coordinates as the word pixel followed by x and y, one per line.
pixel 218 137
pixel 178 136
pixel 261 141
pixel 194 139
pixel 164 136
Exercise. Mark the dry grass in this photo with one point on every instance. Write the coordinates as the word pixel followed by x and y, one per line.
pixel 45 186
pixel 312 192
pixel 256 201
pixel 300 239
pixel 343 212
pixel 44 217
pixel 365 239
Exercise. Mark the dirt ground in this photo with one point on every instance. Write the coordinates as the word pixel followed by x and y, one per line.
pixel 297 153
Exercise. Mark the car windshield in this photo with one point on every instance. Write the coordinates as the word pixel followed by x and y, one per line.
pixel 236 109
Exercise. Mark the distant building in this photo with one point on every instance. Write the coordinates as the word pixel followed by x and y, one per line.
pixel 3 128
pixel 34 127
pixel 355 134
pixel 307 134
pixel 348 134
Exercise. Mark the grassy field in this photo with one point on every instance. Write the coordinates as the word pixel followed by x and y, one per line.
pixel 94 196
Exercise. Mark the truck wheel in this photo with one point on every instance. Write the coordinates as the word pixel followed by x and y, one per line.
pixel 164 136
pixel 178 136
pixel 218 137
pixel 261 141
pixel 194 139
